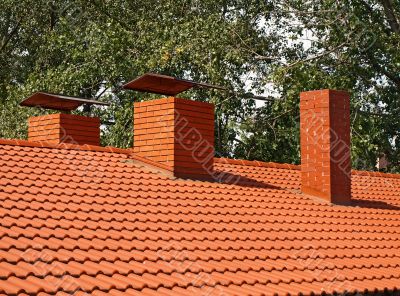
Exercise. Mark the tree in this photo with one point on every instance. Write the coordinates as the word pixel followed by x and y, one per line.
pixel 351 45
pixel 90 48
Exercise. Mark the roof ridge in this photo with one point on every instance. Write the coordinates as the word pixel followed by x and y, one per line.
pixel 148 162
pixel 375 174
pixel 257 163
pixel 44 144
pixel 288 166
pixel 224 160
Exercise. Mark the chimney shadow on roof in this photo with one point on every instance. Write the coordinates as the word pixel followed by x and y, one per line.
pixel 373 204
pixel 230 178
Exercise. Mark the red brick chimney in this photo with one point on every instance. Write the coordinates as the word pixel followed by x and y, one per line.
pixel 325 145
pixel 64 128
pixel 176 133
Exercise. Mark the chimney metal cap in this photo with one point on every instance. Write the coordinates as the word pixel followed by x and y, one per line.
pixel 57 101
pixel 164 85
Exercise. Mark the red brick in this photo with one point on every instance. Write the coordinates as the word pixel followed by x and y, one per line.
pixel 325 144
pixel 65 128
pixel 177 132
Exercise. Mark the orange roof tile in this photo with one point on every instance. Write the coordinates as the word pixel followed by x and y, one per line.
pixel 102 221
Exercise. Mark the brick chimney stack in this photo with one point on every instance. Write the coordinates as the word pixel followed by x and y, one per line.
pixel 325 145
pixel 65 128
pixel 62 127
pixel 176 133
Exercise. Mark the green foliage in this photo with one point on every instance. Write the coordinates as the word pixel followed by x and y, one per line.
pixel 87 48
pixel 90 48
pixel 353 45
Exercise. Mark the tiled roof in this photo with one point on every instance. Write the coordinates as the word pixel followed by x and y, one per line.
pixel 86 220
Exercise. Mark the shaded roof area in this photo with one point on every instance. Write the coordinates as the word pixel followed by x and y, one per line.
pixel 100 221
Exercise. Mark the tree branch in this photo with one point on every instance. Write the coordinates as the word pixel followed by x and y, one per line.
pixel 257 56
pixel 389 75
pixel 376 14
pixel 390 15
pixel 317 56
pixel 8 38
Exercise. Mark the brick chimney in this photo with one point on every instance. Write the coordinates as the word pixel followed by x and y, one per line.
pixel 177 133
pixel 325 145
pixel 64 128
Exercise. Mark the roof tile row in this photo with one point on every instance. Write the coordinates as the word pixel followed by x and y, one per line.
pixel 90 220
